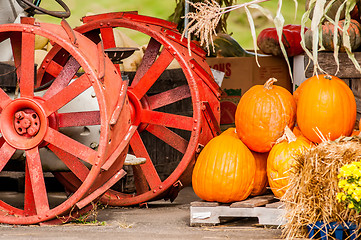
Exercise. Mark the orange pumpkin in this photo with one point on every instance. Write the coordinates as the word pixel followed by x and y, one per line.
pixel 297 132
pixel 260 181
pixel 231 132
pixel 262 114
pixel 355 133
pixel 281 158
pixel 326 106
pixel 224 170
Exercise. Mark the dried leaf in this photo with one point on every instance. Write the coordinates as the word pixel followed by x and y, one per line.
pixel 253 32
pixel 279 21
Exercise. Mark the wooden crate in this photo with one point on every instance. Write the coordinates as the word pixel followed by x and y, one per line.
pixel 266 208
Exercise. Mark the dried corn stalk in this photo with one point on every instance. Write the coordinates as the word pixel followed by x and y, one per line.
pixel 203 22
pixel 179 12
pixel 319 8
pixel 208 13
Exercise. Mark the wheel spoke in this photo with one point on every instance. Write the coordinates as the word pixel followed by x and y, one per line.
pixel 15 40
pixel 27 64
pixel 37 182
pixel 73 163
pixel 63 78
pixel 152 74
pixel 167 119
pixel 71 146
pixel 75 119
pixel 6 152
pixel 169 97
pixel 107 35
pixel 4 99
pixel 149 57
pixel 29 201
pixel 147 168
pixel 67 94
pixel 169 137
pixel 140 180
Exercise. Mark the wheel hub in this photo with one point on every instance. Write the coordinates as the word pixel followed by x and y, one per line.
pixel 23 123
pixel 27 123
pixel 136 107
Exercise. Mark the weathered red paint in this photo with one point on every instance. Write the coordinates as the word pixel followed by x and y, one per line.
pixel 30 122
pixel 165 45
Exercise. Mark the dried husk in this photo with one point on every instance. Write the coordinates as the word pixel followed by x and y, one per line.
pixel 319 9
pixel 313 186
pixel 204 21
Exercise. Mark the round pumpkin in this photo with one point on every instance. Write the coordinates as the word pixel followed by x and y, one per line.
pixel 354 31
pixel 332 10
pixel 260 181
pixel 297 131
pixel 231 132
pixel 224 170
pixel 355 133
pixel 280 161
pixel 262 114
pixel 326 106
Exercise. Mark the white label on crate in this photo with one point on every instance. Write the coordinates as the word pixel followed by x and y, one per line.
pixel 218 76
pixel 298 71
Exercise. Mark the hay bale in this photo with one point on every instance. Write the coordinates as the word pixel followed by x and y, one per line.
pixel 313 188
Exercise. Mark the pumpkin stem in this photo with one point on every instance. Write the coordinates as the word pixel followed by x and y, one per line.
pixel 269 84
pixel 291 137
pixel 328 77
pixel 288 135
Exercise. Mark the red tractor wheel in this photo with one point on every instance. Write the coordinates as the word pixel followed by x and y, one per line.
pixel 33 123
pixel 160 123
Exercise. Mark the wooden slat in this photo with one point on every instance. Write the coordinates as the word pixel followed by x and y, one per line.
pixel 254 202
pixel 275 205
pixel 204 204
pixel 327 63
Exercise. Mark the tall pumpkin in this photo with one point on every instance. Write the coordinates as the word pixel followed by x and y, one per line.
pixel 281 158
pixel 224 170
pixel 326 106
pixel 262 114
pixel 260 179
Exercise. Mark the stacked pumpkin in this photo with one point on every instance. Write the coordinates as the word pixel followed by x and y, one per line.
pixel 262 148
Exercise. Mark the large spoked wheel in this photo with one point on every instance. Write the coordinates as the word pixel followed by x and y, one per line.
pixel 171 121
pixel 35 124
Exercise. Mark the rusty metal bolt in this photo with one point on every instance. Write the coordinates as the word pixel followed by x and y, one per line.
pixel 25 123
pixel 32 131
pixel 20 115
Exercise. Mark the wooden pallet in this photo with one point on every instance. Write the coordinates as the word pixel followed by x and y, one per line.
pixel 266 208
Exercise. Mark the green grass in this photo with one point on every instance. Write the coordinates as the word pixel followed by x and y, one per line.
pixel 237 24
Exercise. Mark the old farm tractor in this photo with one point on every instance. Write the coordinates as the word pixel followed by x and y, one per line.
pixel 109 136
